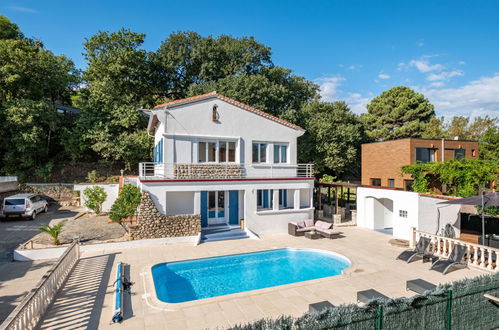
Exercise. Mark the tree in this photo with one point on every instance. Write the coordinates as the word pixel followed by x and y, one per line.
pixel 94 198
pixel 489 145
pixel 186 58
pixel 398 113
pixel 125 205
pixel 333 138
pixel 54 231
pixel 9 30
pixel 117 79
pixel 274 90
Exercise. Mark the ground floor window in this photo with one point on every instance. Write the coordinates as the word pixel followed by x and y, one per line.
pixel 265 198
pixel 376 182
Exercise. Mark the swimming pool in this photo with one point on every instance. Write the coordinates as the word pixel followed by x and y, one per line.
pixel 183 281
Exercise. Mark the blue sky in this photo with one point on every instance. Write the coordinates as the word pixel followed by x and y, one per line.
pixel 448 50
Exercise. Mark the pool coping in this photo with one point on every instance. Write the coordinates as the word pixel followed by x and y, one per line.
pixel 153 301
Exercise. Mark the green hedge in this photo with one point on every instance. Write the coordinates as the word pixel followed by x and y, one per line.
pixel 461 302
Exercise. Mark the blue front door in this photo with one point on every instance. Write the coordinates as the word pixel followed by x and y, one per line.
pixel 233 207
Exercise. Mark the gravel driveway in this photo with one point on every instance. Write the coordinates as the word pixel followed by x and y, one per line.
pixel 15 232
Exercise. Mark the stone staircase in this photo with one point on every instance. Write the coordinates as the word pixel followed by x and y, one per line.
pixel 222 233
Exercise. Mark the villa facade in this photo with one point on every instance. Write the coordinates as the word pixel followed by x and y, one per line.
pixel 227 162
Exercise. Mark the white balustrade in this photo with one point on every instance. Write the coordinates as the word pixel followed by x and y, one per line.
pixel 31 309
pixel 479 256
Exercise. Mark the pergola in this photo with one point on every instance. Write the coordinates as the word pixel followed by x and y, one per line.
pixel 332 193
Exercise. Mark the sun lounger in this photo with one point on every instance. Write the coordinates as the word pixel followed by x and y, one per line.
pixel 420 250
pixel 419 286
pixel 456 259
pixel 319 307
pixel 367 295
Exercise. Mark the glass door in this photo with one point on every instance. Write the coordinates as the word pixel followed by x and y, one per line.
pixel 216 208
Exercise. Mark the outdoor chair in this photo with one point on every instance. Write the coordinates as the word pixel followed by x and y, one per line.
pixel 419 251
pixel 456 259
pixel 419 286
pixel 367 295
pixel 300 228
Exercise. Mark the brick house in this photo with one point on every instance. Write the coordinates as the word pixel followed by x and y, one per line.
pixel 382 161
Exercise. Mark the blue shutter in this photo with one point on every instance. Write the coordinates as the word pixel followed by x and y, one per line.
pixel 265 199
pixel 233 207
pixel 285 197
pixel 204 208
pixel 160 160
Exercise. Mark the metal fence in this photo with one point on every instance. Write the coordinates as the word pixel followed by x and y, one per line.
pixel 29 312
pixel 466 304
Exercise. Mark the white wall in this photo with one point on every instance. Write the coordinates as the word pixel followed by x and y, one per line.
pixel 195 120
pixel 433 216
pixel 179 202
pixel 111 190
pixel 262 222
pixel 373 203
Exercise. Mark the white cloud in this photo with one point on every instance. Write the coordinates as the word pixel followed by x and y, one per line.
pixel 444 75
pixel 437 84
pixel 383 76
pixel 23 9
pixel 425 66
pixel 461 62
pixel 329 87
pixel 477 98
pixel 420 43
pixel 355 67
pixel 357 102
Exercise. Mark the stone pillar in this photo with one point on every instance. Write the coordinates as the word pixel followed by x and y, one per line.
pixel 296 201
pixel 275 200
pixel 311 196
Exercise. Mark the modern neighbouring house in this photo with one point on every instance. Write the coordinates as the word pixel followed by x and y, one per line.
pixel 228 162
pixel 381 161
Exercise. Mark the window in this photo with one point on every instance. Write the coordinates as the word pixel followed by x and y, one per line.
pixel 202 152
pixel 391 183
pixel 473 152
pixel 158 152
pixel 403 213
pixel 265 198
pixel 408 185
pixel 208 151
pixel 259 152
pixel 425 155
pixel 459 153
pixel 280 153
pixel 375 182
pixel 214 113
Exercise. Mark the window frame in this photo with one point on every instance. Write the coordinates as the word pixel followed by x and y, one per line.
pixel 431 155
pixel 259 152
pixel 280 147
pixel 458 152
pixel 375 185
pixel 217 143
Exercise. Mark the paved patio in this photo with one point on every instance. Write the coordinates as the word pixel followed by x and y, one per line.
pixel 373 266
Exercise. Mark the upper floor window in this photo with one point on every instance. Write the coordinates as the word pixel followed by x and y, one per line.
pixel 376 182
pixel 280 153
pixel 425 155
pixel 259 152
pixel 208 151
pixel 459 153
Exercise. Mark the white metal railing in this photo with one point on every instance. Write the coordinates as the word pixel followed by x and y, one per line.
pixel 29 312
pixel 480 256
pixel 8 178
pixel 223 170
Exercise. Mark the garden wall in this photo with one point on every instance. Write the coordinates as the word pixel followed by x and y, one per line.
pixel 151 224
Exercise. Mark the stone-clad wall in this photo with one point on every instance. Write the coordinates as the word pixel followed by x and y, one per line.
pixel 208 171
pixel 151 224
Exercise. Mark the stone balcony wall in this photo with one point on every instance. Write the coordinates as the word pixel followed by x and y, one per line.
pixel 208 171
pixel 151 224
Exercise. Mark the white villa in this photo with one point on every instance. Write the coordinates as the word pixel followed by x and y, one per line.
pixel 228 162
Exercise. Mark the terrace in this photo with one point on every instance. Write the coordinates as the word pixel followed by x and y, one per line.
pixel 373 267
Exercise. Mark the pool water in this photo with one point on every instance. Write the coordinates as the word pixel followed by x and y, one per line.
pixel 182 281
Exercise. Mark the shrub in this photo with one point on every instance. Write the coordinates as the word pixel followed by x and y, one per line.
pixel 53 231
pixel 126 203
pixel 95 197
pixel 92 176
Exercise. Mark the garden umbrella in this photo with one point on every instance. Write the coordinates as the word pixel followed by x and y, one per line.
pixel 490 199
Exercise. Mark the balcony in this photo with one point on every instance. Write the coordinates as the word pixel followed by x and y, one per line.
pixel 223 171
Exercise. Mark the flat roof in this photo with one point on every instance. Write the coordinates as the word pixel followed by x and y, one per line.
pixel 437 140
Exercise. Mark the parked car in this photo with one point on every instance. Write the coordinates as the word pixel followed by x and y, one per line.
pixel 23 206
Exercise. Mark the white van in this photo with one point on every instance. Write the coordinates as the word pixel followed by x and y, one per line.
pixel 23 206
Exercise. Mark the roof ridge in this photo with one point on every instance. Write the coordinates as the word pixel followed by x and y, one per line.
pixel 239 104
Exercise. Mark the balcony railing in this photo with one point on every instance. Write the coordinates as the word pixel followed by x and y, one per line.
pixel 224 171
